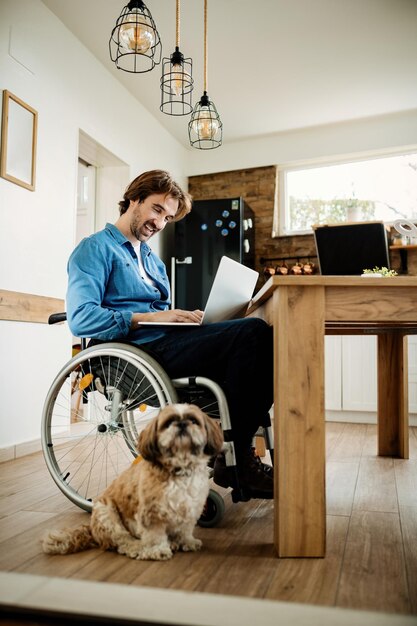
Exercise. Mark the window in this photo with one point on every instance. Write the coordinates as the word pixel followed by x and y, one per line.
pixel 378 188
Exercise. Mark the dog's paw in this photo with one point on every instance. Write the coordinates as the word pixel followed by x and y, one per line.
pixel 132 549
pixel 191 545
pixel 155 553
pixel 175 546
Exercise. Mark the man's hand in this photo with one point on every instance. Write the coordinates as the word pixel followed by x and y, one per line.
pixel 171 315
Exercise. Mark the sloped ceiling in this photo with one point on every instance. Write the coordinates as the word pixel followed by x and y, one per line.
pixel 273 65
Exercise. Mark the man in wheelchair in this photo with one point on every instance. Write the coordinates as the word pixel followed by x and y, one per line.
pixel 116 281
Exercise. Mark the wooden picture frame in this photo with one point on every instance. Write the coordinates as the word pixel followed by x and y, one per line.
pixel 18 141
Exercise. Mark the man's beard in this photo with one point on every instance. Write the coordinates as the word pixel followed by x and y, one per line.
pixel 142 231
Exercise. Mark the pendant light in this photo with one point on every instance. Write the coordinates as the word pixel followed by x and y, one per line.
pixel 176 79
pixel 205 129
pixel 135 44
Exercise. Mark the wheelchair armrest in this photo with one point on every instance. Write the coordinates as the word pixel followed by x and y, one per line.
pixel 56 318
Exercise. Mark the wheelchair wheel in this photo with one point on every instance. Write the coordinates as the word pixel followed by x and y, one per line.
pixel 213 510
pixel 93 412
pixel 201 396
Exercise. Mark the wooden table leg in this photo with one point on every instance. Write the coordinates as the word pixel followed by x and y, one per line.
pixel 300 509
pixel 393 395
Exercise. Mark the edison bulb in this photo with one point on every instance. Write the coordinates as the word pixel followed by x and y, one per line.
pixel 137 33
pixel 180 79
pixel 205 126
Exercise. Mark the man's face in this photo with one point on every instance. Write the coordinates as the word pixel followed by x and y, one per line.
pixel 151 215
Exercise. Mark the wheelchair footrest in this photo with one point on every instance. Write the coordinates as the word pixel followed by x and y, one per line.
pixel 244 495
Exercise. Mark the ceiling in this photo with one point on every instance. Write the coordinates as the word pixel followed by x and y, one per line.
pixel 273 65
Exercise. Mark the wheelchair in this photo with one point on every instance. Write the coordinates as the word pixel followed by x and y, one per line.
pixel 97 405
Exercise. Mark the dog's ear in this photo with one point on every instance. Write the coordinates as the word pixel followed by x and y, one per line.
pixel 148 442
pixel 214 436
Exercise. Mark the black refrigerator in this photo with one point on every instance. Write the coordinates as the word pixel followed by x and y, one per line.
pixel 213 228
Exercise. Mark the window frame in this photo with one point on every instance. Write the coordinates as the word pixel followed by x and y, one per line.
pixel 279 225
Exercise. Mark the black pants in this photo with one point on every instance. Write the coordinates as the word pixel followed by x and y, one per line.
pixel 237 354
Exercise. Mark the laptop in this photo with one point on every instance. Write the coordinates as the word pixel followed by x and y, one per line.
pixel 348 249
pixel 232 289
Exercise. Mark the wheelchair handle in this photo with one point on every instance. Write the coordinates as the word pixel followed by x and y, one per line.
pixel 56 318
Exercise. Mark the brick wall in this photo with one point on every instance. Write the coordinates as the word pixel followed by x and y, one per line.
pixel 258 187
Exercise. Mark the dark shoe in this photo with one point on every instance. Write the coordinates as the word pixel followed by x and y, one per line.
pixel 268 469
pixel 223 475
pixel 252 479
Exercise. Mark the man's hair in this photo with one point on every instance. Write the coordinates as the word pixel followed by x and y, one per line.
pixel 156 182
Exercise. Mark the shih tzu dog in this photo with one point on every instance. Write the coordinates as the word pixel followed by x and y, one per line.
pixel 151 509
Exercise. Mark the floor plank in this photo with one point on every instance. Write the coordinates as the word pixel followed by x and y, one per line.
pixel 20 522
pixel 314 581
pixel 376 488
pixel 334 432
pixel 349 446
pixel 413 438
pixel 370 444
pixel 406 481
pixel 23 552
pixel 408 517
pixel 373 571
pixel 341 479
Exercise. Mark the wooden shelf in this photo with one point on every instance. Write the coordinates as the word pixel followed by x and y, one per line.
pixel 27 307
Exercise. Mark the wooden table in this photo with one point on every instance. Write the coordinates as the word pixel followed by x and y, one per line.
pixel 302 309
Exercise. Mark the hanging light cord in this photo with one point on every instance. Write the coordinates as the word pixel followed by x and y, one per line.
pixel 205 45
pixel 177 32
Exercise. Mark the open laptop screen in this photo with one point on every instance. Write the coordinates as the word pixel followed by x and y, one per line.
pixel 232 288
pixel 348 249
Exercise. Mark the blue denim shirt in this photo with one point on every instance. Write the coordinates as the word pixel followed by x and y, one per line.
pixel 105 288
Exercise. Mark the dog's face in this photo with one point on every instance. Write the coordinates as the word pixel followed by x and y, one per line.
pixel 180 431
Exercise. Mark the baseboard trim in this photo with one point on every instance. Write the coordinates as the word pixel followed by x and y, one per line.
pixel 360 417
pixel 18 450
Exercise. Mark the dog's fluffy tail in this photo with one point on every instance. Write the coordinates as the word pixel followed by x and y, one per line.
pixel 68 540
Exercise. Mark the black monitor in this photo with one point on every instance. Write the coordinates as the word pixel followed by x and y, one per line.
pixel 348 249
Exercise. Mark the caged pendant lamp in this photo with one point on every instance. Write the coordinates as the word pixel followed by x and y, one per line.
pixel 205 129
pixel 135 44
pixel 176 79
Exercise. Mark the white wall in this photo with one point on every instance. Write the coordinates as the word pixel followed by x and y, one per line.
pixel 42 63
pixel 350 137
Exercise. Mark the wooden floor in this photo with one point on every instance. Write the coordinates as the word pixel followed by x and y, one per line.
pixel 371 560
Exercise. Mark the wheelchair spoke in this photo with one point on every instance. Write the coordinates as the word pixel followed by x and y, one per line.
pixel 95 408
